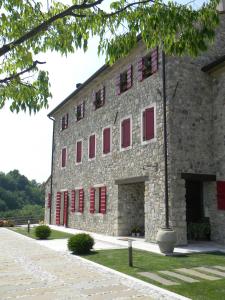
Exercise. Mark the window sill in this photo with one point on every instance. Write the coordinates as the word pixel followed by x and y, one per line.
pixel 125 149
pixel 148 141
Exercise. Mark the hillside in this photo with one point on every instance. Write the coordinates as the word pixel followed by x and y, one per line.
pixel 19 195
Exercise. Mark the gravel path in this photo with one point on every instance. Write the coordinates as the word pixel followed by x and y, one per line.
pixel 31 271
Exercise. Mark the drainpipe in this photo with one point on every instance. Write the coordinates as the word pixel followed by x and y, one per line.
pixel 53 135
pixel 166 195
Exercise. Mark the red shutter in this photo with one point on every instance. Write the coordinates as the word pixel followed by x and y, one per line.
pixel 106 141
pixel 102 205
pixel 103 95
pixel 118 91
pixel 58 208
pixel 126 134
pixel 63 157
pixel 148 124
pixel 49 200
pixel 92 146
pixel 79 152
pixel 221 195
pixel 73 199
pixel 81 200
pixel 65 209
pixel 140 67
pixel 129 77
pixel 154 60
pixel 92 200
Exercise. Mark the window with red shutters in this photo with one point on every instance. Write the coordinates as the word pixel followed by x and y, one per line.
pixel 106 140
pixel 102 200
pixel 80 111
pixel 126 133
pixel 124 81
pixel 99 98
pixel 221 195
pixel 92 200
pixel 79 152
pixel 148 124
pixel 49 200
pixel 63 164
pixel 92 146
pixel 58 208
pixel 73 201
pixel 81 201
pixel 65 121
pixel 148 65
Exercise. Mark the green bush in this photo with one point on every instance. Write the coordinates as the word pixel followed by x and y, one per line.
pixel 42 232
pixel 80 243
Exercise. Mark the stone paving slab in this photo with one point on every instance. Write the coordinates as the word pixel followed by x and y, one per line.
pixel 220 267
pixel 158 278
pixel 179 276
pixel 195 273
pixel 41 273
pixel 212 271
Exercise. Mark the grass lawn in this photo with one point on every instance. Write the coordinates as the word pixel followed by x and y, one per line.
pixel 54 233
pixel 148 262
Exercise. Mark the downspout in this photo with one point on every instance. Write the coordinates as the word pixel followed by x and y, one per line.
pixel 51 177
pixel 166 195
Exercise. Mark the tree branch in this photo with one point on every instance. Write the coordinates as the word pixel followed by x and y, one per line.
pixel 45 25
pixel 14 76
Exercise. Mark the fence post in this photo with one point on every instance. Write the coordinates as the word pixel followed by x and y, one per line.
pixel 28 226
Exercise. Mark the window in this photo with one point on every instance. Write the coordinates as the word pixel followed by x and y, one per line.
pixel 63 159
pixel 221 195
pixel 80 111
pixel 106 140
pixel 148 124
pixel 58 208
pixel 124 80
pixel 125 133
pixel 99 98
pixel 92 147
pixel 73 200
pixel 65 122
pixel 100 192
pixel 148 65
pixel 49 200
pixel 79 152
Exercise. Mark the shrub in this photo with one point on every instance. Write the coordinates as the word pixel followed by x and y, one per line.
pixel 9 223
pixel 1 223
pixel 42 232
pixel 80 243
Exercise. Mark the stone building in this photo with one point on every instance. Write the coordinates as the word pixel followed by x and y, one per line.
pixel 108 158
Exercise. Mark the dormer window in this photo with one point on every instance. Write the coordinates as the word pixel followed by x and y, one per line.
pixel 124 80
pixel 80 111
pixel 99 98
pixel 65 122
pixel 148 65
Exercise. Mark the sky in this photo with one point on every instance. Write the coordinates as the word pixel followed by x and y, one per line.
pixel 26 139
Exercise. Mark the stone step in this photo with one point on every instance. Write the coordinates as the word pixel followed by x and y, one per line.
pixel 179 276
pixel 195 273
pixel 220 267
pixel 158 278
pixel 212 271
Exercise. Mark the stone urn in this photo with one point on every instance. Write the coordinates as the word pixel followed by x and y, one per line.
pixel 166 239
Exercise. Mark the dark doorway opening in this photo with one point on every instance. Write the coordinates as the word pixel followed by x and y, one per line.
pixel 198 226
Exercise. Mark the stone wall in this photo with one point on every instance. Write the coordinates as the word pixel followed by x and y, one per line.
pixel 47 191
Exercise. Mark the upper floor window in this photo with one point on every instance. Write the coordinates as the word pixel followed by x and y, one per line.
pixel 124 80
pixel 148 65
pixel 79 152
pixel 125 133
pixel 80 111
pixel 106 140
pixel 65 121
pixel 99 98
pixel 92 147
pixel 63 158
pixel 148 124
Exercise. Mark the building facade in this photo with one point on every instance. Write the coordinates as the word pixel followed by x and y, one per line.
pixel 108 147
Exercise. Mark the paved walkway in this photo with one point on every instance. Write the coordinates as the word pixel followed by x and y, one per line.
pixel 29 271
